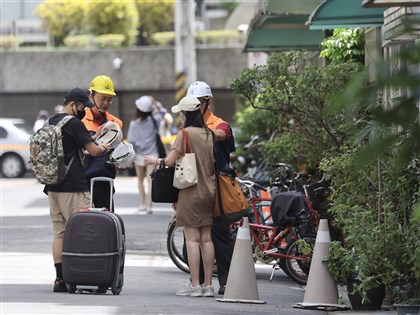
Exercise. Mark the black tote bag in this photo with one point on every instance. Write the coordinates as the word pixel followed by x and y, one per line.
pixel 162 184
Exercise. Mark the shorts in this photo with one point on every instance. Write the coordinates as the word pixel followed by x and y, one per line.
pixel 62 206
pixel 139 160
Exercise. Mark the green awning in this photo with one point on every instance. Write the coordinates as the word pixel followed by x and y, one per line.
pixel 280 25
pixel 332 14
pixel 273 38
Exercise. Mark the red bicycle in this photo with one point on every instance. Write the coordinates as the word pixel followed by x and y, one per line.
pixel 289 245
pixel 287 236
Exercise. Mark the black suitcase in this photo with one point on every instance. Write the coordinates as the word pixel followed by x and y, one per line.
pixel 94 249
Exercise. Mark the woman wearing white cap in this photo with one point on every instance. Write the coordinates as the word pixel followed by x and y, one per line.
pixel 142 135
pixel 195 203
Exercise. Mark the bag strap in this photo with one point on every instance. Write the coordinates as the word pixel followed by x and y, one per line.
pixel 219 195
pixel 186 143
pixel 63 121
pixel 155 125
pixel 216 172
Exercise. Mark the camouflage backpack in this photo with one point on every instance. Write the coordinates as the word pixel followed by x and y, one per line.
pixel 47 155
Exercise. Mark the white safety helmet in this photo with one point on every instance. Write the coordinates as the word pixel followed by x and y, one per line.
pixel 123 156
pixel 111 134
pixel 199 89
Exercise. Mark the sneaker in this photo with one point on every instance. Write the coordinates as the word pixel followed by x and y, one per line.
pixel 60 285
pixel 208 291
pixel 221 290
pixel 190 291
pixel 149 211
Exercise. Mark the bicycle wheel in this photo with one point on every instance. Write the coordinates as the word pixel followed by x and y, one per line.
pixel 298 270
pixel 174 244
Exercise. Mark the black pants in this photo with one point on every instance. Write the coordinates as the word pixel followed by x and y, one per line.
pixel 100 195
pixel 223 250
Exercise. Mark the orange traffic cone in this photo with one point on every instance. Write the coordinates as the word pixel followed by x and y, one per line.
pixel 266 209
pixel 321 290
pixel 241 284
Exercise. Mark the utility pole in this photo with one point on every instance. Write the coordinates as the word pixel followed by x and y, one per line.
pixel 185 56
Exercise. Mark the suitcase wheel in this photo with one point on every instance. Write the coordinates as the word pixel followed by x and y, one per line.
pixel 101 290
pixel 71 288
pixel 116 290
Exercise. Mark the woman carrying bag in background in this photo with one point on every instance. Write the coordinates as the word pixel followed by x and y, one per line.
pixel 142 135
pixel 195 203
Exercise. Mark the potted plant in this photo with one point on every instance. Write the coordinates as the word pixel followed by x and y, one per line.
pixel 364 292
pixel 374 207
pixel 406 289
pixel 378 202
pixel 407 296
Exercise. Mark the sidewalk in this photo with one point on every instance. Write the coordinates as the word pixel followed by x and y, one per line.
pixel 150 277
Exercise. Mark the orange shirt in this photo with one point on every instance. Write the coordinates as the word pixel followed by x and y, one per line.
pixel 214 122
pixel 92 125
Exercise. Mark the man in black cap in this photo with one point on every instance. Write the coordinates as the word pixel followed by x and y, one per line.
pixel 73 193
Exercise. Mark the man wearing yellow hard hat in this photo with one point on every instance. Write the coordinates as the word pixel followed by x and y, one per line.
pixel 96 118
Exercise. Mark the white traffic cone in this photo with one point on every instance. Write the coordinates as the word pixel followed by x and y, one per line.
pixel 321 290
pixel 241 284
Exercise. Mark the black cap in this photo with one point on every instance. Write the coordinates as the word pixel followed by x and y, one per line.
pixel 79 96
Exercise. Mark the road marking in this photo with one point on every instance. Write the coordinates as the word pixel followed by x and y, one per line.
pixel 39 266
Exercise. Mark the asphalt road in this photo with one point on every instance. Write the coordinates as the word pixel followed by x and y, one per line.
pixel 151 279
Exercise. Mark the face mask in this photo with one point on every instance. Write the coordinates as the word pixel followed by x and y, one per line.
pixel 81 114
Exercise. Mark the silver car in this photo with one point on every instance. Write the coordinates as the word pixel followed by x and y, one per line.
pixel 14 147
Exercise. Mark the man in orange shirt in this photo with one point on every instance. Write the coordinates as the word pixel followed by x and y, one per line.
pixel 221 236
pixel 101 95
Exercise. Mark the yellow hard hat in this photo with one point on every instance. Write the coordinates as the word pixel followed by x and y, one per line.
pixel 102 84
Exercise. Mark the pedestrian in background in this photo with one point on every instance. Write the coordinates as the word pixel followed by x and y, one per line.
pixel 164 121
pixel 73 193
pixel 195 203
pixel 222 238
pixel 142 135
pixel 40 119
pixel 101 94
pixel 58 108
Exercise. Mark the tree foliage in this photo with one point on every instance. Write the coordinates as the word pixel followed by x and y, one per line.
pixel 113 17
pixel 62 18
pixel 302 119
pixel 79 17
pixel 344 45
pixel 154 16
pixel 399 115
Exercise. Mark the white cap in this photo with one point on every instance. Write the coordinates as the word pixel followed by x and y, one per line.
pixel 187 104
pixel 199 89
pixel 144 104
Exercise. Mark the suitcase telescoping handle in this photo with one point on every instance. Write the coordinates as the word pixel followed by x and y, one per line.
pixel 102 179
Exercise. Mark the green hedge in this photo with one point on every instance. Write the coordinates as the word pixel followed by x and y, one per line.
pixel 206 37
pixel 78 41
pixel 101 41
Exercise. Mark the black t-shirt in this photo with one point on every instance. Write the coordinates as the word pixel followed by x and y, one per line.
pixel 75 137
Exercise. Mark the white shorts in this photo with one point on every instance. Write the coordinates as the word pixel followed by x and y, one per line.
pixel 139 160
